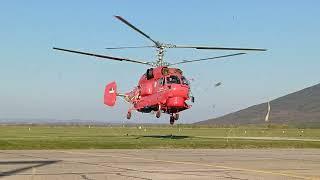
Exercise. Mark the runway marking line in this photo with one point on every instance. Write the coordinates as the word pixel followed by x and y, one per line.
pixel 198 164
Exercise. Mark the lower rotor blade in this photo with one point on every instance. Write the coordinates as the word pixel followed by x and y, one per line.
pixel 129 47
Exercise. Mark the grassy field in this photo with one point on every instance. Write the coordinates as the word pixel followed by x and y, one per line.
pixel 83 137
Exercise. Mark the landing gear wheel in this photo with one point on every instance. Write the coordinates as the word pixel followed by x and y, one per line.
pixel 176 116
pixel 171 120
pixel 129 115
pixel 158 113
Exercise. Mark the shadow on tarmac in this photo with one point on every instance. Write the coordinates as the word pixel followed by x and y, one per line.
pixel 34 164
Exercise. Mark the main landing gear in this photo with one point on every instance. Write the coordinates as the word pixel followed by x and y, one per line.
pixel 173 117
pixel 158 113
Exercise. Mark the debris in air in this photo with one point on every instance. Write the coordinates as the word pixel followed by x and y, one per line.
pixel 217 84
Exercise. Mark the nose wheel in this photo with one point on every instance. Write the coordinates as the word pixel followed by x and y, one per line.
pixel 176 116
pixel 158 114
pixel 173 117
pixel 171 120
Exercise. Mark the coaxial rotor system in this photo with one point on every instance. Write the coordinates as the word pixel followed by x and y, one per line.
pixel 160 47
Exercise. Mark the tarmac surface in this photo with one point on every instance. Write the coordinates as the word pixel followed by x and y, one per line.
pixel 160 164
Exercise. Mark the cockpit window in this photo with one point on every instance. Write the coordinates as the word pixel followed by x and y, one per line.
pixel 173 80
pixel 161 81
pixel 185 81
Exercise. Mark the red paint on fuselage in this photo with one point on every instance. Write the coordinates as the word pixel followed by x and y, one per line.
pixel 168 89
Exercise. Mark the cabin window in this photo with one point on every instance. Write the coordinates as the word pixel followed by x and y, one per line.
pixel 173 80
pixel 161 81
pixel 185 81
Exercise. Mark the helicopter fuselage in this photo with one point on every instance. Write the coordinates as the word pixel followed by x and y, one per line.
pixel 161 89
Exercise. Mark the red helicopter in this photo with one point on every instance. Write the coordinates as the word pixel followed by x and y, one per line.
pixel 162 89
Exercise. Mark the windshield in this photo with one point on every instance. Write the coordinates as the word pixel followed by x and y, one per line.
pixel 173 80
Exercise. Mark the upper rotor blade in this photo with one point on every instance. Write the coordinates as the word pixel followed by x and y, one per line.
pixel 102 56
pixel 138 30
pixel 206 59
pixel 129 47
pixel 218 48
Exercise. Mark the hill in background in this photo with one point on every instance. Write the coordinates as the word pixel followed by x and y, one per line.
pixel 296 108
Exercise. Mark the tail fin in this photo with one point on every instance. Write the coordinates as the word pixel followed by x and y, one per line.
pixel 110 94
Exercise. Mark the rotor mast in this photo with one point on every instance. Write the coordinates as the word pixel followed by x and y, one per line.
pixel 160 54
pixel 161 49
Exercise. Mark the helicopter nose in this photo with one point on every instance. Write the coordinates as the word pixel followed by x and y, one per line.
pixel 178 90
pixel 178 95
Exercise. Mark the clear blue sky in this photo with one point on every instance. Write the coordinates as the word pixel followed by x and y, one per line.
pixel 37 82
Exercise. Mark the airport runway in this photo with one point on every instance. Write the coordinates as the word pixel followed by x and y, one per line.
pixel 160 164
